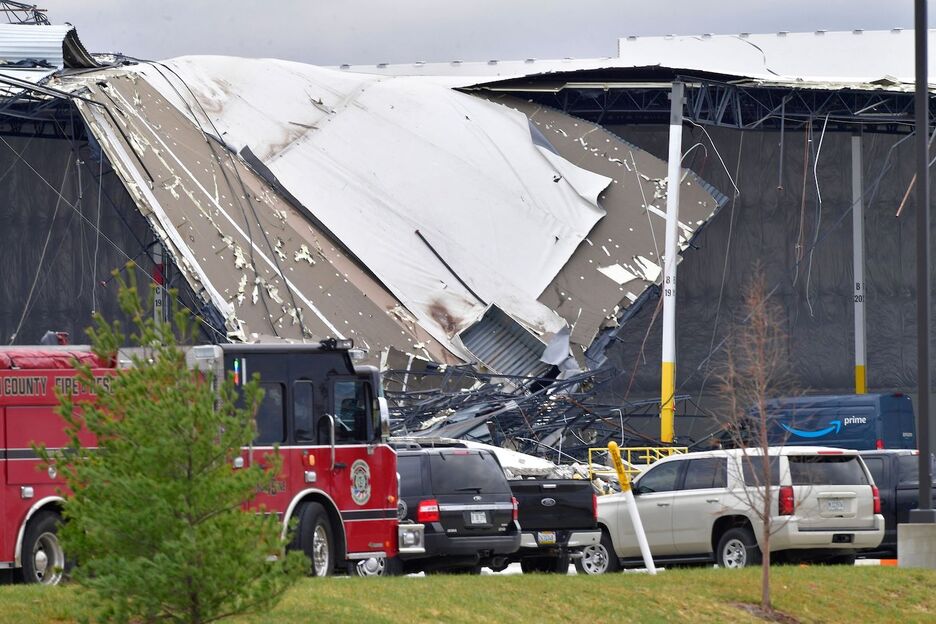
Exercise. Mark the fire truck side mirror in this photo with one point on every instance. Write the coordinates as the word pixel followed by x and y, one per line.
pixel 384 418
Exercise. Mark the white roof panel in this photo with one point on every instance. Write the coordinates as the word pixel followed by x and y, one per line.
pixel 42 43
pixel 821 56
pixel 377 159
pixel 836 59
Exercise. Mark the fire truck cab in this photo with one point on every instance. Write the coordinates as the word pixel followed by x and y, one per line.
pixel 325 417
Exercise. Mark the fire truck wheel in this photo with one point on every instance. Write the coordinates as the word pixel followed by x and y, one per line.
pixel 42 554
pixel 317 538
pixel 375 566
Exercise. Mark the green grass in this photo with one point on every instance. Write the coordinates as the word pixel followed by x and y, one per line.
pixel 809 594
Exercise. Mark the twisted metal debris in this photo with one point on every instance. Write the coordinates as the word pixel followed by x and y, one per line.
pixel 558 419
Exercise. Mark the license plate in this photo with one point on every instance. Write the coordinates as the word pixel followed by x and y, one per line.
pixel 478 517
pixel 835 504
pixel 546 537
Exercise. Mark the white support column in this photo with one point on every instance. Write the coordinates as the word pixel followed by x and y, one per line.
pixel 861 379
pixel 671 253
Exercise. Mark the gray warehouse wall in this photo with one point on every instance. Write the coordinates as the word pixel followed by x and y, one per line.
pixel 764 228
pixel 73 275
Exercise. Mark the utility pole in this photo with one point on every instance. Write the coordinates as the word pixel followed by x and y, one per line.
pixel 916 540
pixel 924 512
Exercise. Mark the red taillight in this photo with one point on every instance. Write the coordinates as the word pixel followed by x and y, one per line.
pixel 786 500
pixel 876 495
pixel 428 511
pixel 516 507
pixel 879 444
pixel 594 507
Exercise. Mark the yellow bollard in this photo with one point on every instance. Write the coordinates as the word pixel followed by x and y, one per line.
pixel 615 452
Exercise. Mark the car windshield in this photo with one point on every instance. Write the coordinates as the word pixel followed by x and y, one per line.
pixel 466 472
pixel 827 470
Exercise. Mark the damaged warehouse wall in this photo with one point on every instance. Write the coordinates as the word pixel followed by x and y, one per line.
pixel 775 220
pixel 54 267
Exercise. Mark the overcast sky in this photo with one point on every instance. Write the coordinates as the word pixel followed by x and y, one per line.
pixel 331 32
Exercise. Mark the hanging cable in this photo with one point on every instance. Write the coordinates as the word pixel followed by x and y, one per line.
pixel 97 235
pixel 818 213
pixel 717 153
pixel 724 277
pixel 800 237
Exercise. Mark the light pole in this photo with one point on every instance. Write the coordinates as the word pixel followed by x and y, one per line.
pixel 924 514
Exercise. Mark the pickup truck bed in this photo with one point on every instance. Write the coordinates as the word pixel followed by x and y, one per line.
pixel 557 520
pixel 896 474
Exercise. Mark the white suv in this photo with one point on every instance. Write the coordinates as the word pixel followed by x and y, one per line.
pixel 702 507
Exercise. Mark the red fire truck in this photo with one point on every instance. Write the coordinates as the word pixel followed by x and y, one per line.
pixel 326 416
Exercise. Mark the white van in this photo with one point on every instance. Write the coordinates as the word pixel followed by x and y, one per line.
pixel 702 508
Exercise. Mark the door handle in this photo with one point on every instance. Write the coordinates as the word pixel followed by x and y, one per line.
pixel 662 504
pixel 711 500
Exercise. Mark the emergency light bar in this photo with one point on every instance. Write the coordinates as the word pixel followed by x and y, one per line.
pixel 333 344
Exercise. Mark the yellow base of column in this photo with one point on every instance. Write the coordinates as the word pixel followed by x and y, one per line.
pixel 861 379
pixel 667 404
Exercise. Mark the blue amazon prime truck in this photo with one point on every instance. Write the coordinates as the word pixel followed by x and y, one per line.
pixel 853 421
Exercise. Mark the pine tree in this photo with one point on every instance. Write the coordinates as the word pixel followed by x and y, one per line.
pixel 155 516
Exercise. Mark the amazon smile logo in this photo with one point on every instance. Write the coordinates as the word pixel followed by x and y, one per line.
pixel 834 426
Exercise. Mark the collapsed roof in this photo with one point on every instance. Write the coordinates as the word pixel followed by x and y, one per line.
pixel 304 202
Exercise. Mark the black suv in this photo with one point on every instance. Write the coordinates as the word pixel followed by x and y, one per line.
pixel 463 499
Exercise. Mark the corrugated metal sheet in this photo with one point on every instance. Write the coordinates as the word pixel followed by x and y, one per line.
pixel 49 46
pixel 20 42
pixel 855 59
pixel 503 345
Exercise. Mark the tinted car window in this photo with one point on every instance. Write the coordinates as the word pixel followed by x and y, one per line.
pixel 708 472
pixel 826 470
pixel 463 471
pixel 410 469
pixel 752 466
pixel 660 478
pixel 876 468
pixel 908 468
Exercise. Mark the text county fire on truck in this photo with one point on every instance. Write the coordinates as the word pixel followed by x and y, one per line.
pixel 327 418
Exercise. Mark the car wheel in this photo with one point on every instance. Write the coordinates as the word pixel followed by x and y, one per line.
pixel 377 566
pixel 43 556
pixel 737 548
pixel 316 538
pixel 598 558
